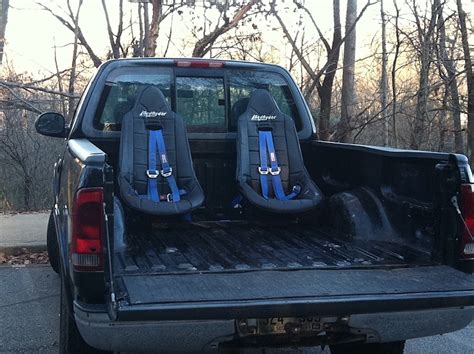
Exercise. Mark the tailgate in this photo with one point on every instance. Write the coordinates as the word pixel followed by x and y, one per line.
pixel 260 294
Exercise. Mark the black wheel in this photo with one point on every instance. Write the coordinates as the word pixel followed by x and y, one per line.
pixel 52 244
pixel 70 340
pixel 372 348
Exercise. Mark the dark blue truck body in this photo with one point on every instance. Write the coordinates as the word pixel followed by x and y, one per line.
pixel 382 261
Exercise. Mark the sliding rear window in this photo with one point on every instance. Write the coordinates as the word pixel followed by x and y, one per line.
pixel 207 103
pixel 201 102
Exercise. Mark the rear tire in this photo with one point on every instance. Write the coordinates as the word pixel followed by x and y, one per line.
pixel 70 339
pixel 52 244
pixel 369 348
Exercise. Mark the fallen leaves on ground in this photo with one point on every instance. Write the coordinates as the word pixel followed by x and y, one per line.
pixel 24 257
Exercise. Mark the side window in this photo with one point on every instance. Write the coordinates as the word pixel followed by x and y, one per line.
pixel 121 89
pixel 201 102
pixel 284 99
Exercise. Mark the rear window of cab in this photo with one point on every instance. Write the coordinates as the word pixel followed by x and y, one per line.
pixel 209 100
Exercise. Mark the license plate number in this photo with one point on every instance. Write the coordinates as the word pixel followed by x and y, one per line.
pixel 281 325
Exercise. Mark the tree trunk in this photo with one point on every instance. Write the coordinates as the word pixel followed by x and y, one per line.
pixel 425 35
pixel 325 94
pixel 394 76
pixel 384 80
pixel 3 24
pixel 27 193
pixel 417 135
pixel 443 119
pixel 452 82
pixel 72 77
pixel 152 37
pixel 469 79
pixel 146 25
pixel 140 48
pixel 325 90
pixel 348 98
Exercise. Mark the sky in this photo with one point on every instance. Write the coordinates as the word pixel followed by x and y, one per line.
pixel 32 33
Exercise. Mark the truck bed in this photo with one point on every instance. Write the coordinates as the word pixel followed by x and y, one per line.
pixel 235 246
pixel 233 269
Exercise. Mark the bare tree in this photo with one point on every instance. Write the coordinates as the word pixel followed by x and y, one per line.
pixel 469 78
pixel 115 38
pixel 204 44
pixel 325 88
pixel 3 23
pixel 328 70
pixel 348 99
pixel 74 27
pixel 394 75
pixel 424 29
pixel 451 81
pixel 72 78
pixel 25 157
pixel 151 33
pixel 384 79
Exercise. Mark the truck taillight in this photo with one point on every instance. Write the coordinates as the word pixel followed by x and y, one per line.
pixel 87 230
pixel 467 241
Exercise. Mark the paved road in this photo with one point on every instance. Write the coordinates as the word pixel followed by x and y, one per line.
pixel 29 317
pixel 23 230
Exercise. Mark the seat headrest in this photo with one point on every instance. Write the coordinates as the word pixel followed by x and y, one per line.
pixel 238 108
pixel 152 106
pixel 263 103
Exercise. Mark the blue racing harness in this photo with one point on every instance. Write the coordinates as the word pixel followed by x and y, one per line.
pixel 267 149
pixel 156 143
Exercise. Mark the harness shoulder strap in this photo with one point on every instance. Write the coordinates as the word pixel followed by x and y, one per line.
pixel 166 169
pixel 274 168
pixel 152 171
pixel 263 168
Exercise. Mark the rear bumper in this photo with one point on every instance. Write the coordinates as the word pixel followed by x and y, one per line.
pixel 205 335
pixel 163 336
pixel 333 305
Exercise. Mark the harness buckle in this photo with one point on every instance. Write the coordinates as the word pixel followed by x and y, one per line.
pixel 167 173
pixel 169 197
pixel 152 173
pixel 275 172
pixel 263 170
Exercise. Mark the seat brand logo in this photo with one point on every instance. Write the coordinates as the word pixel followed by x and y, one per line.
pixel 152 114
pixel 262 117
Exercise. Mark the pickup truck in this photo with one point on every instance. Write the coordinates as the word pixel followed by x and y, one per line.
pixel 387 257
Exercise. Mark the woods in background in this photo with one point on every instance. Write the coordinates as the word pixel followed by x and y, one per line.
pixel 412 88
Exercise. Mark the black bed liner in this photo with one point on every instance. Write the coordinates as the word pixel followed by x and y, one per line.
pixel 239 246
pixel 216 270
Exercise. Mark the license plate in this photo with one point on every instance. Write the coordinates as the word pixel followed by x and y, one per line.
pixel 294 325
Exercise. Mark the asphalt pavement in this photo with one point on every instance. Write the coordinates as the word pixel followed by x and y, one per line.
pixel 29 320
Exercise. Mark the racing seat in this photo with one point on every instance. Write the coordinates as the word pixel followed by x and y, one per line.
pixel 238 108
pixel 156 173
pixel 270 168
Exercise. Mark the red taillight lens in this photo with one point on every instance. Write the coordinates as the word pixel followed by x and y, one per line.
pixel 87 230
pixel 467 243
pixel 199 64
